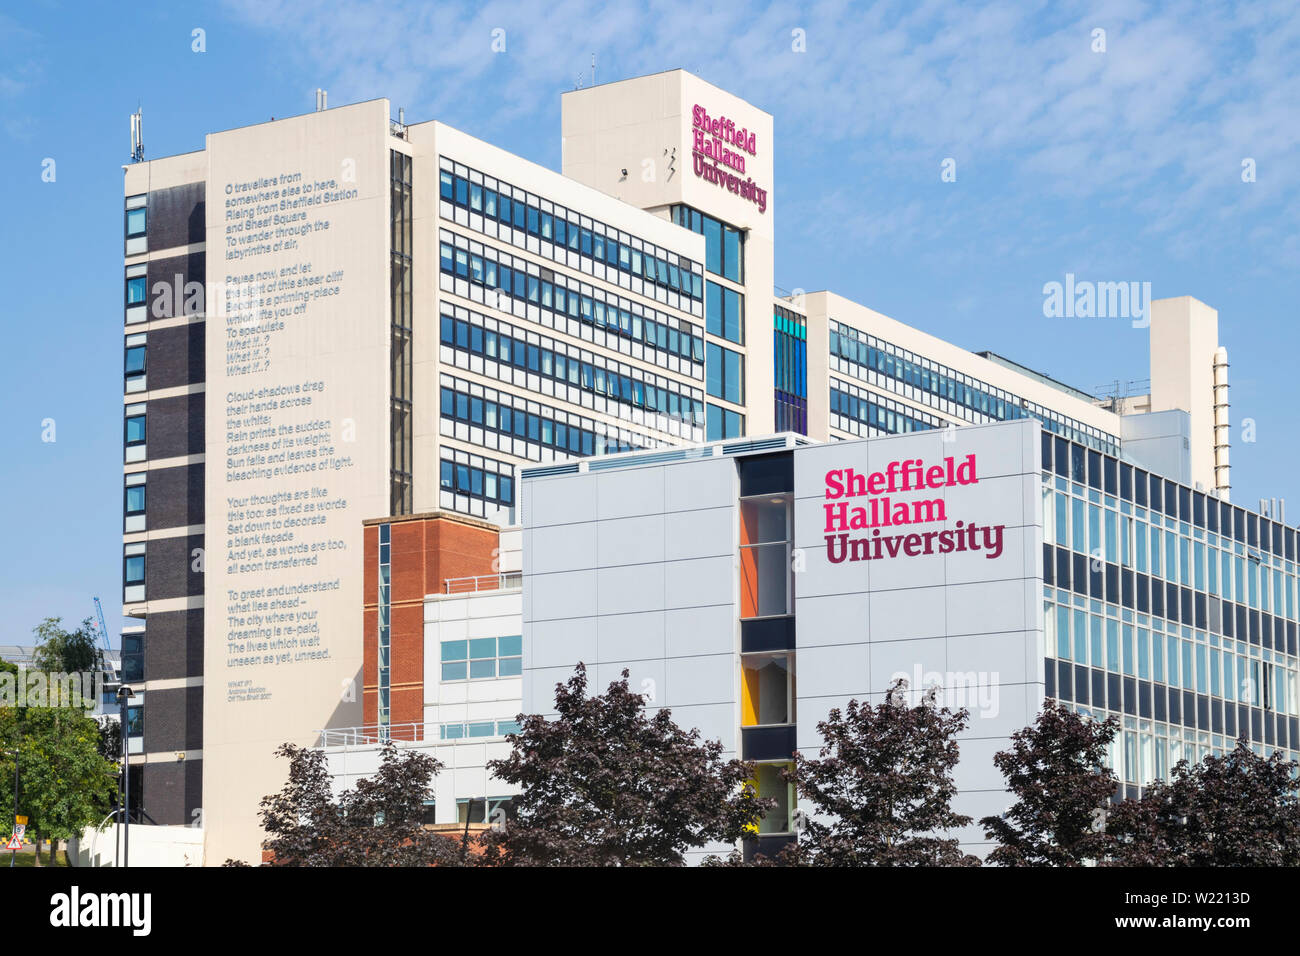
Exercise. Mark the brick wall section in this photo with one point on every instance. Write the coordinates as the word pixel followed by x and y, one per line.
pixel 426 550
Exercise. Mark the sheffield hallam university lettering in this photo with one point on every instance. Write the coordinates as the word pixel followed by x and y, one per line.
pixel 883 510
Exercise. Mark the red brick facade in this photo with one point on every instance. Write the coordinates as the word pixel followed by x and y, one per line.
pixel 425 551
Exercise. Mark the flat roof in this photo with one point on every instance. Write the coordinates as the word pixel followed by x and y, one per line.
pixel 1039 376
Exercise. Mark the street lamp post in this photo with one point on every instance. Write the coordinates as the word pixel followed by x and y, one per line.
pixel 124 695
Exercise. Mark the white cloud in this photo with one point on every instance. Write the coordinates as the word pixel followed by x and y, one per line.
pixel 1159 122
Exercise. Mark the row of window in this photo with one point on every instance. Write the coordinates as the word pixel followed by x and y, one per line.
pixel 473 729
pixel 546 291
pixel 385 611
pixel 482 658
pixel 1207 663
pixel 477 482
pixel 1107 474
pixel 852 408
pixel 865 354
pixel 1139 698
pixel 552 224
pixel 790 370
pixel 1132 537
pixel 1145 751
pixel 724 245
pixel 401 448
pixel 562 365
pixel 493 412
pixel 791 413
pixel 1134 591
pixel 790 351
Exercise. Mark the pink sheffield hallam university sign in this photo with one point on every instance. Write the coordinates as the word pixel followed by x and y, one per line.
pixel 882 512
pixel 718 150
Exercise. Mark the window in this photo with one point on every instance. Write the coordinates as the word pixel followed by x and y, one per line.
pixel 132 658
pixel 490 810
pixel 765 585
pixel 723 244
pixel 134 569
pixel 723 423
pixel 767 689
pixel 134 363
pixel 135 721
pixel 136 290
pixel 482 658
pixel 133 572
pixel 769 781
pixel 135 430
pixel 135 221
pixel 134 502
pixel 724 374
pixel 724 312
pixel 135 225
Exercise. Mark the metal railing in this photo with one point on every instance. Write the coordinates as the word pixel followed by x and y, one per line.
pixel 483 582
pixel 370 735
pixel 374 735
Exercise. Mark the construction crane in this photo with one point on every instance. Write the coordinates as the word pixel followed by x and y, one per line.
pixel 103 639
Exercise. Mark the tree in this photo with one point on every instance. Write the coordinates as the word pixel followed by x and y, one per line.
pixel 66 783
pixel 606 784
pixel 68 652
pixel 378 823
pixel 1236 810
pixel 881 787
pixel 1056 770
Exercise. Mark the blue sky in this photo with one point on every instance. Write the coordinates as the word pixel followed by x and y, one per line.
pixel 1118 165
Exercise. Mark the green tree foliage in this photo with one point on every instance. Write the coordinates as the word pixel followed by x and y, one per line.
pixel 377 823
pixel 606 784
pixel 882 785
pixel 1056 771
pixel 1236 810
pixel 59 650
pixel 66 784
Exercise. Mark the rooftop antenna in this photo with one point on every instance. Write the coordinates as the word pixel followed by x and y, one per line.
pixel 322 99
pixel 137 135
pixel 593 69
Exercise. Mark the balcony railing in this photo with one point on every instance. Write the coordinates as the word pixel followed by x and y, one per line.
pixel 371 735
pixel 374 735
pixel 483 582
